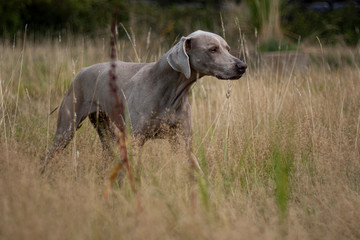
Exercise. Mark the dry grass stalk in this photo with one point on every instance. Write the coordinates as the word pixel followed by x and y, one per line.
pixel 117 115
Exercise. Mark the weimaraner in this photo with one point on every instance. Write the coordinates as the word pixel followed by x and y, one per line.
pixel 155 94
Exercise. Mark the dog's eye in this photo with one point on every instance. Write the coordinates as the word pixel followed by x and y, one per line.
pixel 213 50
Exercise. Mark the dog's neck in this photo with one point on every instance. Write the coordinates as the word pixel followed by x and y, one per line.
pixel 173 86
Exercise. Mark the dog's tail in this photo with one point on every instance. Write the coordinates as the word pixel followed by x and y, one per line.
pixel 53 110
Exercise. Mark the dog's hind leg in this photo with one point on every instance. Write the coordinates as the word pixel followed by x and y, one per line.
pixel 71 114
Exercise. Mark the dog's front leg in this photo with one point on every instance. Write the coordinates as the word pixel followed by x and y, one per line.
pixel 187 133
pixel 192 159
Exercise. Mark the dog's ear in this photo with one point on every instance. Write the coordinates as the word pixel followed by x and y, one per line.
pixel 178 58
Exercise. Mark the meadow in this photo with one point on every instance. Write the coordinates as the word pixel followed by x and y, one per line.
pixel 279 149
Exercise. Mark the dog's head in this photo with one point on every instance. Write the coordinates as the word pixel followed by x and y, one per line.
pixel 207 54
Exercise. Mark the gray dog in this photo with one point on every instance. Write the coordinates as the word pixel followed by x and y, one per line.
pixel 155 94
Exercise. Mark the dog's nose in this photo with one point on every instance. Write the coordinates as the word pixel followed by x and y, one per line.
pixel 241 66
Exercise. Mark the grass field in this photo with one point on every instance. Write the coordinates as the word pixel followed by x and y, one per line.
pixel 280 153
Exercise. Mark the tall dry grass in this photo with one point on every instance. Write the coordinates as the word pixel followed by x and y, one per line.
pixel 279 148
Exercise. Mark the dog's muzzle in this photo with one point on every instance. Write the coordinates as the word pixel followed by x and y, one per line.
pixel 236 72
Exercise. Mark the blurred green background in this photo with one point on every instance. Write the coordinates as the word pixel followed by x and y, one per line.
pixel 334 22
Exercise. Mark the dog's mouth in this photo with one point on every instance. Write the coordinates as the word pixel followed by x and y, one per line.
pixel 235 77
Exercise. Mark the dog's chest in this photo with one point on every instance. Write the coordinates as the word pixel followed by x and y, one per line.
pixel 160 125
